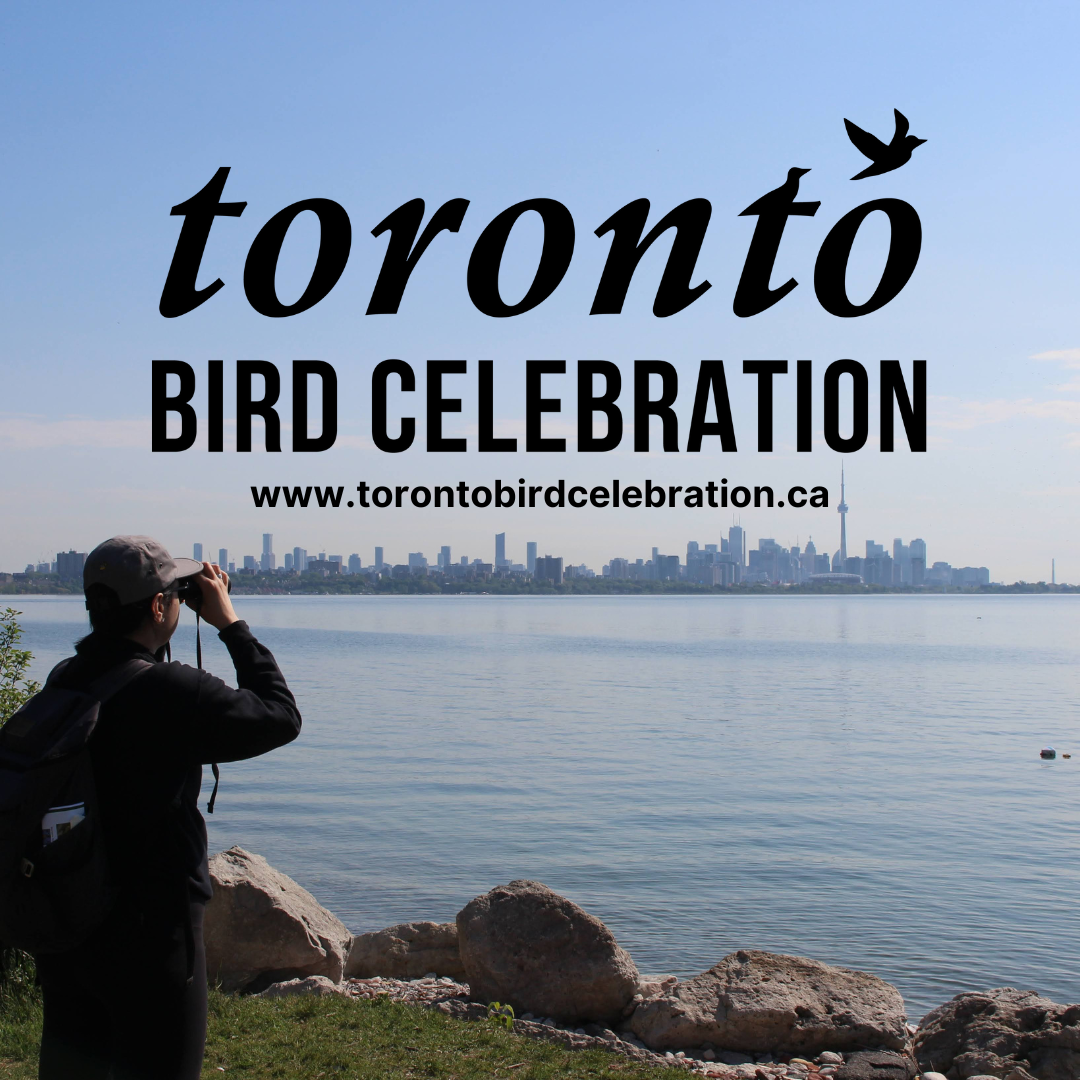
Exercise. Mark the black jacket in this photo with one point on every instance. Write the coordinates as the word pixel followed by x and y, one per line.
pixel 152 739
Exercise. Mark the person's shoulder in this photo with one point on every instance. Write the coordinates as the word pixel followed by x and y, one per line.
pixel 170 676
pixel 177 669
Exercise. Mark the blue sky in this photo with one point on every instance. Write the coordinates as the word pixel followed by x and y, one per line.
pixel 115 113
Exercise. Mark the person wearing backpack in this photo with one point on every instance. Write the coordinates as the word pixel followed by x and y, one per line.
pixel 130 1001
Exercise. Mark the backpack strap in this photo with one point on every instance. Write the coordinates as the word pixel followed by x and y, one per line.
pixel 213 794
pixel 58 671
pixel 198 660
pixel 103 688
pixel 115 679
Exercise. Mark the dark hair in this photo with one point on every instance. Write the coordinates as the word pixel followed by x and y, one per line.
pixel 109 616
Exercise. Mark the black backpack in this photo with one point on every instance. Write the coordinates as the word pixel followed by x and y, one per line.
pixel 55 886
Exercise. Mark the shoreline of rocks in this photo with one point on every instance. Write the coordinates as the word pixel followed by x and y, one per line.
pixel 752 1015
pixel 454 999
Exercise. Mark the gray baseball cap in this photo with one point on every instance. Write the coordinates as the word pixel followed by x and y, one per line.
pixel 135 568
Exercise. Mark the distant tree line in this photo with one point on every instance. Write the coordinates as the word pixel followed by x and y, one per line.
pixel 248 584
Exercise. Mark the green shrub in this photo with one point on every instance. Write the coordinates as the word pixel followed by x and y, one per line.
pixel 16 968
pixel 15 688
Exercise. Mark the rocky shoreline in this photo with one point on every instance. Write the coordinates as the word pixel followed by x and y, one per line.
pixel 752 1016
pixel 454 999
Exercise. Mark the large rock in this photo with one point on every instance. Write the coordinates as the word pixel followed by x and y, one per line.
pixel 406 951
pixel 317 985
pixel 764 1002
pixel 524 945
pixel 876 1065
pixel 263 928
pixel 1001 1033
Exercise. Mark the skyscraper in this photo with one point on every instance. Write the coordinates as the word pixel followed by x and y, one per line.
pixel 549 569
pixel 267 563
pixel 196 552
pixel 917 548
pixel 444 557
pixel 530 556
pixel 378 560
pixel 69 564
pixel 842 510
pixel 223 557
pixel 901 554
pixel 500 549
pixel 299 559
pixel 737 544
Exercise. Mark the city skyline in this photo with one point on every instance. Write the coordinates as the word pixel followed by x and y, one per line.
pixel 370 552
pixel 725 561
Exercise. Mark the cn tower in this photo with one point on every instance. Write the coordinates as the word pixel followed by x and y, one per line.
pixel 842 510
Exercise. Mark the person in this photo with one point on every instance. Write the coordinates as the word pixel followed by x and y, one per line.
pixel 130 1002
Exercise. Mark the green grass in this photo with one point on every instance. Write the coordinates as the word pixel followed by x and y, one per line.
pixel 336 1037
pixel 20 1016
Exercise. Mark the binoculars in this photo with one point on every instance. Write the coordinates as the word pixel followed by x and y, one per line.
pixel 190 593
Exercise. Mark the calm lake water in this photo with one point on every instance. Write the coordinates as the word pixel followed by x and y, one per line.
pixel 855 779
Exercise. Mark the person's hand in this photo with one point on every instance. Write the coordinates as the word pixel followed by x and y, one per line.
pixel 216 608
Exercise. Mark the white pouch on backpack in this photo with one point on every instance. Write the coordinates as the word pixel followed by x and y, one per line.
pixel 59 820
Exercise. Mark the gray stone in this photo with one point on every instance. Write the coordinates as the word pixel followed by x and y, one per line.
pixel 1005 1033
pixel 760 1002
pixel 876 1065
pixel 262 928
pixel 318 985
pixel 651 985
pixel 830 1057
pixel 734 1057
pixel 406 951
pixel 527 946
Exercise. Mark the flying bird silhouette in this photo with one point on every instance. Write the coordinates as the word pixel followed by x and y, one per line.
pixel 884 158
